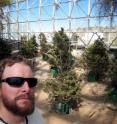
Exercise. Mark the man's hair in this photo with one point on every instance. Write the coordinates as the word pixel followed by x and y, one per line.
pixel 11 61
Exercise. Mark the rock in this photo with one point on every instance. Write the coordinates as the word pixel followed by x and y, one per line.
pixel 112 107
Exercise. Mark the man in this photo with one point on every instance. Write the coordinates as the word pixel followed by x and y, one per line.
pixel 17 87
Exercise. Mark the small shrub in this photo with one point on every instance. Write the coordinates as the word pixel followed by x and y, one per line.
pixel 60 53
pixel 112 95
pixel 64 88
pixel 29 48
pixel 43 43
pixel 113 73
pixel 5 49
pixel 96 58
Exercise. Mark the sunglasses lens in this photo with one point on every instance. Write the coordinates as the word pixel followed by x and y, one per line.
pixel 19 81
pixel 15 81
pixel 32 82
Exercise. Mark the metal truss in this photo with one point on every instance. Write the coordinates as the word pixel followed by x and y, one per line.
pixel 28 17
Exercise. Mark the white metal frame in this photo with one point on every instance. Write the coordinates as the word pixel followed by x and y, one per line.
pixel 55 6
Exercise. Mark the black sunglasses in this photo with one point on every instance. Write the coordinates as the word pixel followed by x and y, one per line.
pixel 19 81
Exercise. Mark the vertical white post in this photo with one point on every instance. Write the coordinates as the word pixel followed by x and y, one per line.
pixel 8 23
pixel 27 9
pixel 70 11
pixel 40 9
pixel 53 15
pixel 89 11
pixel 17 22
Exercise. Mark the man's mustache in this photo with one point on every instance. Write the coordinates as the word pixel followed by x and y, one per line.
pixel 25 96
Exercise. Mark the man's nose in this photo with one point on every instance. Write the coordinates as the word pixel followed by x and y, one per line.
pixel 25 87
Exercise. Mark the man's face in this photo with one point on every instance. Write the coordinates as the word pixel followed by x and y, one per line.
pixel 18 100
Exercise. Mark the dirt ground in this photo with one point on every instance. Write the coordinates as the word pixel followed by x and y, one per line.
pixel 93 108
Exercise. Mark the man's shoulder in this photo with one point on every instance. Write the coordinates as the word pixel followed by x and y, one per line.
pixel 35 117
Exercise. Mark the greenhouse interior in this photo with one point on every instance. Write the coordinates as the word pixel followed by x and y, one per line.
pixel 72 48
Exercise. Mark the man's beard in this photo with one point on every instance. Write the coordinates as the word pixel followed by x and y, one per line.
pixel 13 107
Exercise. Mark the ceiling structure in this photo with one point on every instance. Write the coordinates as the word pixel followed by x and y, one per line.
pixel 28 17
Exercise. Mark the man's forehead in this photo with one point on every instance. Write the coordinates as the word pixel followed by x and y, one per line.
pixel 17 69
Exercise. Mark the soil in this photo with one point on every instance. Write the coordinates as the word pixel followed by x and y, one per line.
pixel 93 108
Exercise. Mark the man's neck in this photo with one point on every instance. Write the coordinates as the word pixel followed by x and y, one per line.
pixel 9 117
